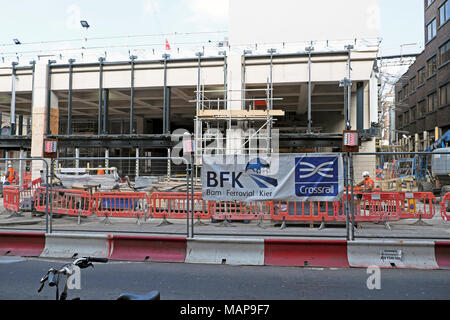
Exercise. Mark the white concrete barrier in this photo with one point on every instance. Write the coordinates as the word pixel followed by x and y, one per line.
pixel 392 254
pixel 78 245
pixel 248 252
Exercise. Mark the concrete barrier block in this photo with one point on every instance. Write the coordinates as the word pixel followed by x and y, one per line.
pixel 21 244
pixel 304 253
pixel 159 249
pixel 392 254
pixel 79 245
pixel 225 251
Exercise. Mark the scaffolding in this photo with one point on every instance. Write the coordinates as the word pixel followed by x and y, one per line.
pixel 221 130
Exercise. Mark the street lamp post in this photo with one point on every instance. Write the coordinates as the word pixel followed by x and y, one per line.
pixel 86 26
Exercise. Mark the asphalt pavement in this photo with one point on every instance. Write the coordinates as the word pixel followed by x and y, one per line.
pixel 19 280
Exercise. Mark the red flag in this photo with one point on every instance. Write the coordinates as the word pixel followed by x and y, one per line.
pixel 168 45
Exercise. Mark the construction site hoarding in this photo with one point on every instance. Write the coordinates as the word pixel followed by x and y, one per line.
pixel 284 177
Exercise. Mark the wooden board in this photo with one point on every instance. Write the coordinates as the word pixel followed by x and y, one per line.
pixel 239 113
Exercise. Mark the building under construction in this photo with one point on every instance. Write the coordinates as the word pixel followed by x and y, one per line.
pixel 131 108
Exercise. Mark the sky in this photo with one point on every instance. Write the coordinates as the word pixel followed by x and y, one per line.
pixel 57 24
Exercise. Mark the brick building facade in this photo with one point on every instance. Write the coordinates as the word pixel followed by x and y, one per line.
pixel 423 92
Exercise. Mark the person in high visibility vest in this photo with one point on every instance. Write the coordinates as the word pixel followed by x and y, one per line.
pixel 101 172
pixel 10 174
pixel 368 184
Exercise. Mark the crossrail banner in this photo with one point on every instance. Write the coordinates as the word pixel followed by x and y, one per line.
pixel 284 177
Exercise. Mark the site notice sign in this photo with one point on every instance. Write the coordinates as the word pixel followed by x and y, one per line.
pixel 286 177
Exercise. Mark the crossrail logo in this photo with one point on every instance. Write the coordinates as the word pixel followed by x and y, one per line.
pixel 316 176
pixel 258 169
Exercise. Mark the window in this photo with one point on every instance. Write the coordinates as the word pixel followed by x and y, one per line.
pixel 444 53
pixel 421 76
pixel 400 96
pixel 405 91
pixel 444 95
pixel 413 114
pixel 432 102
pixel 422 108
pixel 431 30
pixel 431 66
pixel 413 84
pixel 444 13
pixel 400 120
pixel 429 2
pixel 406 117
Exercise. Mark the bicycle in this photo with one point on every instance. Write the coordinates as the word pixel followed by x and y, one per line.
pixel 53 278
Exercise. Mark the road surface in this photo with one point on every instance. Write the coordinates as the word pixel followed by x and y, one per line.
pixel 19 280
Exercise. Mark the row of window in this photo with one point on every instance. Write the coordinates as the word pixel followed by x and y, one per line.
pixel 425 72
pixel 427 105
pixel 444 15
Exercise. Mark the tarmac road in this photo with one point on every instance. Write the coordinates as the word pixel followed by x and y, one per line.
pixel 19 280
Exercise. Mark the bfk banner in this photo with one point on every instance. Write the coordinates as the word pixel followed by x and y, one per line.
pixel 287 177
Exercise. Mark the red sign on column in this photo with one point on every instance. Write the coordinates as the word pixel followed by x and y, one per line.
pixel 351 141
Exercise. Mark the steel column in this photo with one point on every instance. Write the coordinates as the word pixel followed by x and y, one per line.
pixel 360 106
pixel 49 96
pixel 20 129
pixel 105 111
pixel 132 131
pixel 166 98
pixel 21 156
pixel 100 96
pixel 69 106
pixel 309 50
pixel 13 99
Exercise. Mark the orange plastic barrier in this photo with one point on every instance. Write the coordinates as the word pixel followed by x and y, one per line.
pixel 14 195
pixel 376 207
pixel 417 205
pixel 372 207
pixel 11 198
pixel 65 202
pixel 445 207
pixel 29 189
pixel 304 211
pixel 241 211
pixel 174 205
pixel 26 178
pixel 120 204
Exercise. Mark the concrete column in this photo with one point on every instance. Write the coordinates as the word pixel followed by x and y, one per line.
pixel 417 143
pixel 235 82
pixel 140 125
pixel 137 162
pixel 426 142
pixel 234 136
pixel 39 117
pixel 107 158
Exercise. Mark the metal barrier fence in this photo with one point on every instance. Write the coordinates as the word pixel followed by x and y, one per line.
pixel 356 206
pixel 445 207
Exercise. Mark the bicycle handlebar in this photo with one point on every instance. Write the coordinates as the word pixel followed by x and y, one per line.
pixel 98 260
